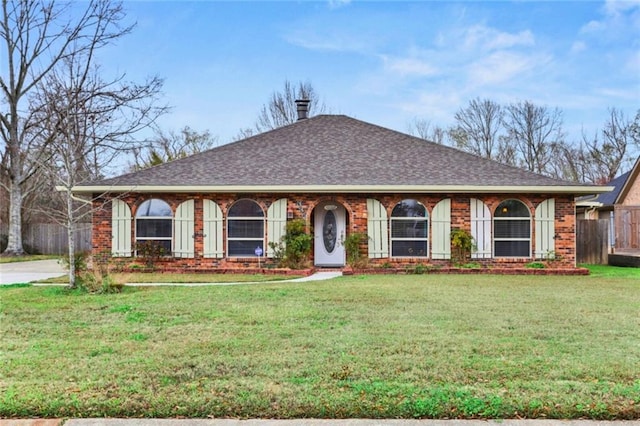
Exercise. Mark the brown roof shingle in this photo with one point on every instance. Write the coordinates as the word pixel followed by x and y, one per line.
pixel 329 150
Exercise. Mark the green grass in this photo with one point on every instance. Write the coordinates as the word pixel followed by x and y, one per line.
pixel 160 277
pixel 612 271
pixel 439 346
pixel 27 258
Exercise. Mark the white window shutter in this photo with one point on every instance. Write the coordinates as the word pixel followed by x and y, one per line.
pixel 120 229
pixel 276 223
pixel 545 229
pixel 480 229
pixel 377 229
pixel 183 230
pixel 441 230
pixel 212 229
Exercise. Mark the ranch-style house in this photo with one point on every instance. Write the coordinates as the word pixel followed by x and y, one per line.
pixel 220 209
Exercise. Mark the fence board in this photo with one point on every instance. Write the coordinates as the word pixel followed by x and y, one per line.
pixel 627 225
pixel 592 238
pixel 51 238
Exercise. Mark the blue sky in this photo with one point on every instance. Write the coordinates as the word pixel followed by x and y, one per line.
pixel 385 62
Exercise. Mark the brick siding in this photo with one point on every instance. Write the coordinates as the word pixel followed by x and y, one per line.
pixel 302 206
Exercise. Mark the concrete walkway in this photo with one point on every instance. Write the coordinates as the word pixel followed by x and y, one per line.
pixel 308 422
pixel 25 272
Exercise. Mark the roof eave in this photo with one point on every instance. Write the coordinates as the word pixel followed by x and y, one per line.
pixel 324 189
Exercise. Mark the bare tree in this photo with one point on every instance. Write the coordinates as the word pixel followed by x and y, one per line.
pixel 89 123
pixel 36 36
pixel 477 128
pixel 423 129
pixel 532 131
pixel 610 154
pixel 281 108
pixel 569 162
pixel 169 146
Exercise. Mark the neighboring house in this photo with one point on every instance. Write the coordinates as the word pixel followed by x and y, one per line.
pixel 621 207
pixel 217 209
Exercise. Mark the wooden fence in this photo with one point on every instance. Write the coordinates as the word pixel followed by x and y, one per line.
pixel 592 241
pixel 51 238
pixel 627 224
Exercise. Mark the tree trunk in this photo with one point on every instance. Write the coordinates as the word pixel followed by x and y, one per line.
pixel 14 245
pixel 71 234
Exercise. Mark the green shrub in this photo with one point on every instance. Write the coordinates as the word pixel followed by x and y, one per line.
pixel 535 265
pixel 151 252
pixel 462 243
pixel 352 243
pixel 295 246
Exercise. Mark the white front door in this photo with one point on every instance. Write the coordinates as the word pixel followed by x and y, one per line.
pixel 329 226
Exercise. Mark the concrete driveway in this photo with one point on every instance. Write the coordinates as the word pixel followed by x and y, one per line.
pixel 25 272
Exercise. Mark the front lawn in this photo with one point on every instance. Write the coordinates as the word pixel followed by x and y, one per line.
pixel 441 346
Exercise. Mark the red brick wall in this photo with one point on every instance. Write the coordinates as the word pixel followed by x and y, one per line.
pixel 301 206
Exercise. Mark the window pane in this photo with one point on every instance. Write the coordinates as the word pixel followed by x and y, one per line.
pixel 512 249
pixel 512 208
pixel 245 248
pixel 245 228
pixel 512 228
pixel 155 208
pixel 409 248
pixel 246 208
pixel 409 229
pixel 150 228
pixel 409 208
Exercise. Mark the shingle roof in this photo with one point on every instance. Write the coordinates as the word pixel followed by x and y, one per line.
pixel 329 150
pixel 609 198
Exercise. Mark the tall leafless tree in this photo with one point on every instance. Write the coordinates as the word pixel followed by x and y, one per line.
pixel 609 154
pixel 478 128
pixel 281 108
pixel 89 123
pixel 423 129
pixel 36 36
pixel 532 131
pixel 171 145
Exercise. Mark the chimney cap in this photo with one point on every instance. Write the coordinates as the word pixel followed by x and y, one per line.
pixel 302 106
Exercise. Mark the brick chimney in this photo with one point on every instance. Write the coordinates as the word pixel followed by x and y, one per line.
pixel 303 108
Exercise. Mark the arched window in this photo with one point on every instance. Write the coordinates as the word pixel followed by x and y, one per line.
pixel 245 228
pixel 154 223
pixel 512 230
pixel 409 230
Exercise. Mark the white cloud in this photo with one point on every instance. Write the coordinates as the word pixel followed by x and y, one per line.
pixel 500 67
pixel 578 46
pixel 615 7
pixel 410 66
pixel 487 38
